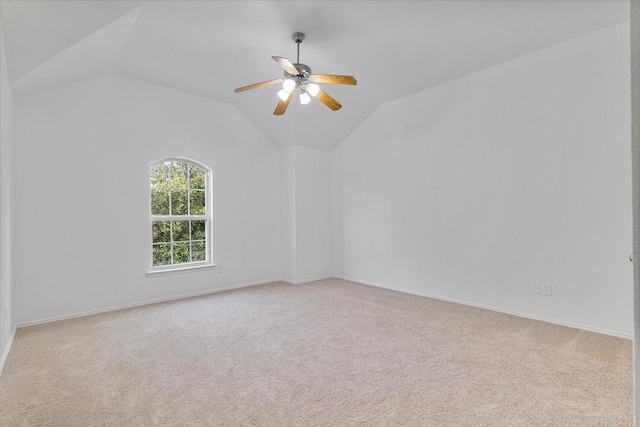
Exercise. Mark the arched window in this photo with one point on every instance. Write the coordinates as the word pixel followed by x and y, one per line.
pixel 180 215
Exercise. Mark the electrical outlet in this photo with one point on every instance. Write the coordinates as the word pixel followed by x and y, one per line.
pixel 545 289
pixel 6 311
pixel 219 269
pixel 535 287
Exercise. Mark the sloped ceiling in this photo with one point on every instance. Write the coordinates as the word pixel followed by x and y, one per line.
pixel 208 48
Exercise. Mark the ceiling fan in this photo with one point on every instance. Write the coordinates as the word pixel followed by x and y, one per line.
pixel 298 77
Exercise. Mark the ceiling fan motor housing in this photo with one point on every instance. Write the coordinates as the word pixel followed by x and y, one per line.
pixel 303 70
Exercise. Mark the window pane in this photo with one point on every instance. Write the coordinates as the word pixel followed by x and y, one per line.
pixel 179 202
pixel 161 254
pixel 180 231
pixel 160 175
pixel 180 252
pixel 196 176
pixel 197 202
pixel 198 230
pixel 159 202
pixel 161 231
pixel 178 189
pixel 179 171
pixel 198 252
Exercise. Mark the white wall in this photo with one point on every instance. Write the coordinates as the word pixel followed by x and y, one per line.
pixel 306 210
pixel 313 214
pixel 80 185
pixel 635 117
pixel 6 126
pixel 288 195
pixel 473 189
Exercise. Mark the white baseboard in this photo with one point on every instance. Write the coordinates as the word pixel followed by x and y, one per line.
pixel 5 355
pixel 499 310
pixel 147 302
pixel 299 282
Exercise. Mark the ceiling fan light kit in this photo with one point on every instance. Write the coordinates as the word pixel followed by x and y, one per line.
pixel 299 77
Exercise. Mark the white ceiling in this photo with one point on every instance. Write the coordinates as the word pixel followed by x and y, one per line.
pixel 208 48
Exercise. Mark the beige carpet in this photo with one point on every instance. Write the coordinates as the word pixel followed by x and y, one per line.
pixel 328 353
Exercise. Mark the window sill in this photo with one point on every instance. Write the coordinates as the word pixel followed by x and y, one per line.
pixel 179 270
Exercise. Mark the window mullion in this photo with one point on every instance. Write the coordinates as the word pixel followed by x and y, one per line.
pixel 171 241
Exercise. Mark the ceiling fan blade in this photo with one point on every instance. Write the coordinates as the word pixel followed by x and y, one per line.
pixel 282 105
pixel 328 78
pixel 286 64
pixel 257 85
pixel 327 100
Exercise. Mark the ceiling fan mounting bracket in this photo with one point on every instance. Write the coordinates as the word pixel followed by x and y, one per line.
pixel 298 37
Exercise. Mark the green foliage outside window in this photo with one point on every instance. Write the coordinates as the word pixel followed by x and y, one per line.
pixel 178 190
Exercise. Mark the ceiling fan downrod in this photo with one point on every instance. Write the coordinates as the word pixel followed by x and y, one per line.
pixel 298 37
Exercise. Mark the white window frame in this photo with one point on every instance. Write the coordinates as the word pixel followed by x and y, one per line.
pixel 208 218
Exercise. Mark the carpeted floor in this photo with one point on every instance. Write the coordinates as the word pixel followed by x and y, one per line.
pixel 327 353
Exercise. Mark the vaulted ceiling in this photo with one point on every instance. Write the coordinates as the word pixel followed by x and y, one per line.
pixel 208 48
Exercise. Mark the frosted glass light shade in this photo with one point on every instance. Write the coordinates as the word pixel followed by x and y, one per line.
pixel 283 94
pixel 313 89
pixel 304 98
pixel 288 85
